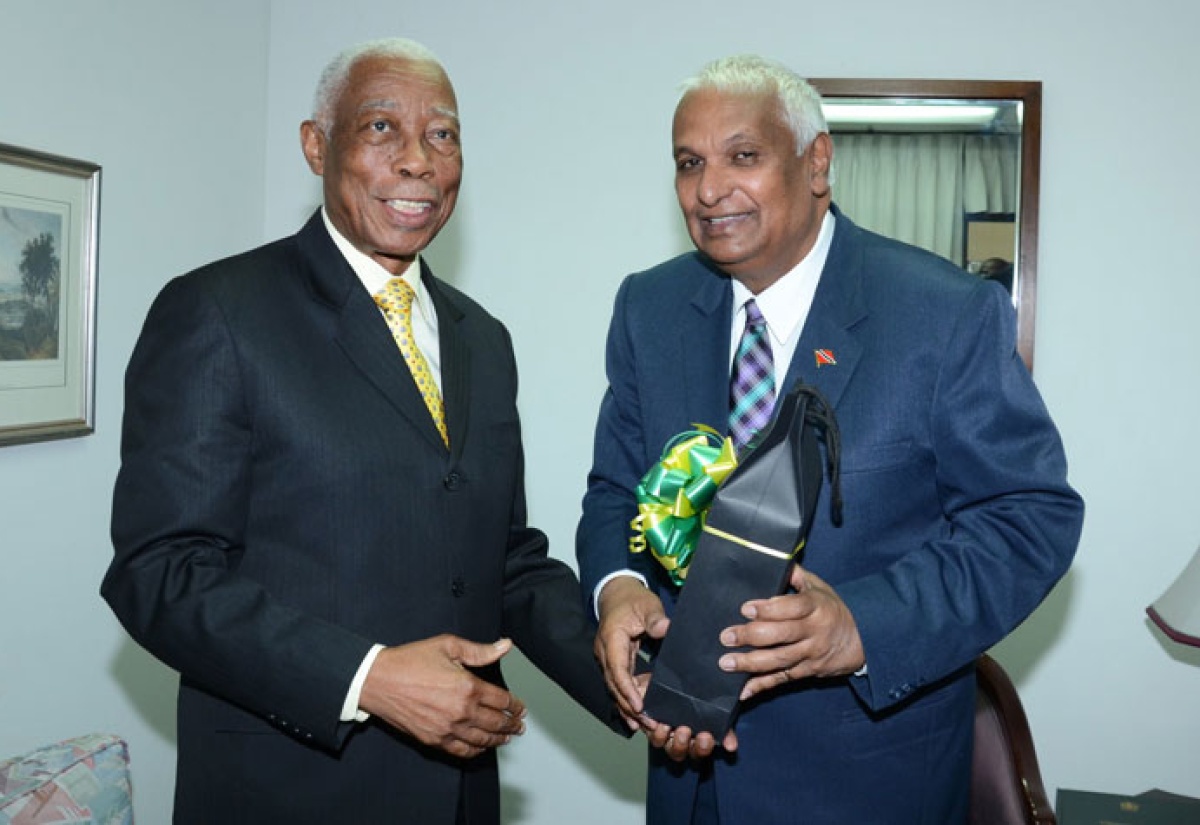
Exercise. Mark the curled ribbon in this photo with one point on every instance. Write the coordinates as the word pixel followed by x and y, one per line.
pixel 674 496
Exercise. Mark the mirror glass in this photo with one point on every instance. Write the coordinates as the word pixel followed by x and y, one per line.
pixel 948 165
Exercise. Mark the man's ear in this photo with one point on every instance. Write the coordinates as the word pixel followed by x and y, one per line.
pixel 820 158
pixel 312 142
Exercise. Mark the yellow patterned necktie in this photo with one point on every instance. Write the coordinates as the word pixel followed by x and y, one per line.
pixel 396 301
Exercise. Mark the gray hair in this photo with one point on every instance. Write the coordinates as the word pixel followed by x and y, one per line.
pixel 751 74
pixel 336 75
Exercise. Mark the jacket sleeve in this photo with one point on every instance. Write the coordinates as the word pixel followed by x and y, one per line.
pixel 543 614
pixel 1011 522
pixel 618 464
pixel 180 508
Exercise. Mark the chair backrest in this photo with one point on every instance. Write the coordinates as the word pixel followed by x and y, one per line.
pixel 1006 782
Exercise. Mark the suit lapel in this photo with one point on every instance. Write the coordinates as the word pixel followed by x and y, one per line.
pixel 837 310
pixel 704 343
pixel 456 363
pixel 359 328
pixel 838 307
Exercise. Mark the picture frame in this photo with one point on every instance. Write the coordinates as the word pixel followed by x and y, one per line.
pixel 49 231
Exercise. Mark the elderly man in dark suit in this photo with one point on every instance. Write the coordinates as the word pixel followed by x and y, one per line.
pixel 957 514
pixel 319 519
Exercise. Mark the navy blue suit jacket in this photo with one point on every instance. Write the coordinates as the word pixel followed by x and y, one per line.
pixel 958 518
pixel 285 501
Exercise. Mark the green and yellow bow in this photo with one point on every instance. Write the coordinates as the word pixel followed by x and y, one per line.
pixel 674 496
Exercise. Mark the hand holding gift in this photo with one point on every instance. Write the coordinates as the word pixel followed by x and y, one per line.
pixel 804 633
pixel 752 531
pixel 809 632
pixel 628 613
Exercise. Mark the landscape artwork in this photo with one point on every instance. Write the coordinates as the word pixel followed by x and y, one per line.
pixel 31 243
pixel 49 229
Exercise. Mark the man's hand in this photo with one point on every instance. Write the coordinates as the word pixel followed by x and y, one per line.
pixel 680 743
pixel 425 690
pixel 806 633
pixel 628 611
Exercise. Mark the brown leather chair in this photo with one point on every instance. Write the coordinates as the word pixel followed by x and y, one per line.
pixel 1006 783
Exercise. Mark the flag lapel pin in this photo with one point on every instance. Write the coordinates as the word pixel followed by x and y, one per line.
pixel 824 358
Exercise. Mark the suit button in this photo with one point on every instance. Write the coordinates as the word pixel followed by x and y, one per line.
pixel 458 587
pixel 452 481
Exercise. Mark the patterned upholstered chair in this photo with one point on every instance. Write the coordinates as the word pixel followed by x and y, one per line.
pixel 81 780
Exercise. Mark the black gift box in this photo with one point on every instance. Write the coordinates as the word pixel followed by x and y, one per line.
pixel 755 527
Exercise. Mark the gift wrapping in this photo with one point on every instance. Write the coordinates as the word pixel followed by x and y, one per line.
pixel 755 527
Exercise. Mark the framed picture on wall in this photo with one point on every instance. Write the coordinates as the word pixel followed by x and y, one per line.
pixel 49 224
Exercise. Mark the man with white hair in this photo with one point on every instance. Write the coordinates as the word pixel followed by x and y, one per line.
pixel 957 517
pixel 319 519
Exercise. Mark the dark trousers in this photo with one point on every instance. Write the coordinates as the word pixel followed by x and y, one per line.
pixel 704 810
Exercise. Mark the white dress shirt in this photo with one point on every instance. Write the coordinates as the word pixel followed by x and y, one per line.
pixel 425 333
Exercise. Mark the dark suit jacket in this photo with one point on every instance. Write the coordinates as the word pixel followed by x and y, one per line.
pixel 284 501
pixel 958 518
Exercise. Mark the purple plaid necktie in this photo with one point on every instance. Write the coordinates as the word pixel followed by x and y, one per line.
pixel 752 388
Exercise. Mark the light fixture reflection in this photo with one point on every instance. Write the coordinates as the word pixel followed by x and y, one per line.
pixel 922 114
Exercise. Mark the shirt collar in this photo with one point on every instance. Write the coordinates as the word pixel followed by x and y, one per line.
pixel 374 277
pixel 785 303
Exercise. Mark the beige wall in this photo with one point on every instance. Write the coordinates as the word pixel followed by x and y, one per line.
pixel 193 108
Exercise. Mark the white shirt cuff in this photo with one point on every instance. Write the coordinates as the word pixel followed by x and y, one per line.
pixel 350 710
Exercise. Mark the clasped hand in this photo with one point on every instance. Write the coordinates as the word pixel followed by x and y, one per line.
pixel 804 633
pixel 425 690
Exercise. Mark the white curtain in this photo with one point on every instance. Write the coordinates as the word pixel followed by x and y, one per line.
pixel 990 173
pixel 917 187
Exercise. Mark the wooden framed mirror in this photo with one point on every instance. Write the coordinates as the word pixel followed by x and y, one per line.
pixel 1000 121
